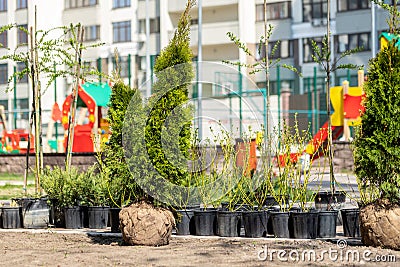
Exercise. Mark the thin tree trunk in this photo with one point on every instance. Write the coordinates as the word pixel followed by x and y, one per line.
pixel 267 133
pixel 328 105
pixel 78 58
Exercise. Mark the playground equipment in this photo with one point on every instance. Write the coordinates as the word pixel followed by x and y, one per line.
pixel 347 105
pixel 14 141
pixel 91 127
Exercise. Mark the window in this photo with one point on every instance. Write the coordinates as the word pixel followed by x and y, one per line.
pixel 20 67
pixel 154 25
pixel 79 3
pixel 121 3
pixel 21 4
pixel 122 31
pixel 123 65
pixel 280 10
pixel 22 36
pixel 3 73
pixel 92 33
pixel 308 50
pixel 351 41
pixel 314 9
pixel 273 86
pixel 23 105
pixel 345 5
pixel 3 5
pixel 390 2
pixel 3 39
pixel 283 49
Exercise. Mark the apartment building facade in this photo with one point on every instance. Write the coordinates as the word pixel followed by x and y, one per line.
pixel 121 25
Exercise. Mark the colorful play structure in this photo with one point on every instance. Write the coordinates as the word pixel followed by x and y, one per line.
pixel 347 105
pixel 13 141
pixel 91 127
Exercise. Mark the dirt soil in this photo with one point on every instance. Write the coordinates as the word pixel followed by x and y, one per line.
pixel 46 248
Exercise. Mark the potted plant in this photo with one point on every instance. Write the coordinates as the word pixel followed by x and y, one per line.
pixel 62 189
pixel 93 192
pixel 376 146
pixel 10 216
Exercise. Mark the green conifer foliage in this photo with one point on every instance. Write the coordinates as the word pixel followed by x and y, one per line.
pixel 121 186
pixel 168 127
pixel 377 145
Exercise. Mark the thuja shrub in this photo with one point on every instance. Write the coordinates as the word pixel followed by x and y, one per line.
pixel 121 185
pixel 168 127
pixel 376 147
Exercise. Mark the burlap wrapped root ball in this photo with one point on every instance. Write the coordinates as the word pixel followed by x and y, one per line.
pixel 380 224
pixel 143 224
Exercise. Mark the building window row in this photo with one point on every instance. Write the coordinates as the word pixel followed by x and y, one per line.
pixel 314 9
pixel 3 39
pixel 351 41
pixel 92 33
pixel 21 4
pixel 121 3
pixel 346 5
pixel 122 31
pixel 79 3
pixel 279 10
pixel 3 73
pixel 154 25
pixel 277 49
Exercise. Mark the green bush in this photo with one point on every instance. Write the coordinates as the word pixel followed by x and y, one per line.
pixel 376 147
pixel 174 74
pixel 121 186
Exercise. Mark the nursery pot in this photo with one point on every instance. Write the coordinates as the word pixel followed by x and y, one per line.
pixel 114 219
pixel 327 223
pixel 270 201
pixel 305 224
pixel 35 212
pixel 270 230
pixel 205 222
pixel 327 200
pixel 98 217
pixel 351 226
pixel 85 215
pixel 255 223
pixel 73 217
pixel 280 224
pixel 11 217
pixel 228 223
pixel 56 214
pixel 185 224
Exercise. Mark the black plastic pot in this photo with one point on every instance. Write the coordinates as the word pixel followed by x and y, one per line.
pixel 185 224
pixel 228 223
pixel 114 219
pixel 11 217
pixel 35 212
pixel 351 226
pixel 327 200
pixel 85 215
pixel 255 223
pixel 270 229
pixel 327 223
pixel 73 217
pixel 98 217
pixel 205 222
pixel 56 214
pixel 280 224
pixel 270 201
pixel 305 224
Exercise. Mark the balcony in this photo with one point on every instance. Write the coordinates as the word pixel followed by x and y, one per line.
pixel 213 33
pixel 175 6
